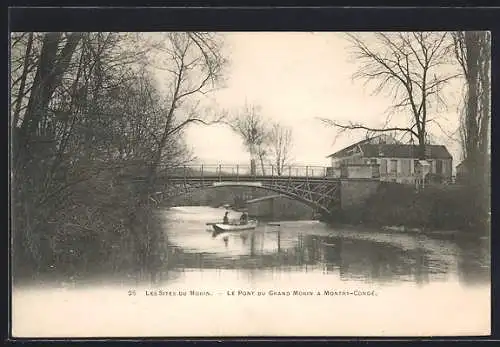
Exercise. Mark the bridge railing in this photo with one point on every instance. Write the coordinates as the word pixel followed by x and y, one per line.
pixel 244 171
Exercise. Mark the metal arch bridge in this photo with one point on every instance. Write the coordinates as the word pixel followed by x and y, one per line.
pixel 310 185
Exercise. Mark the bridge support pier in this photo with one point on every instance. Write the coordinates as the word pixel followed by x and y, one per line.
pixel 354 193
pixel 353 196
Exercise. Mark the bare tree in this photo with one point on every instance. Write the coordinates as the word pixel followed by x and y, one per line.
pixel 407 65
pixel 52 65
pixel 263 153
pixel 280 145
pixel 83 106
pixel 249 124
pixel 473 53
pixel 194 64
pixel 24 64
pixel 54 99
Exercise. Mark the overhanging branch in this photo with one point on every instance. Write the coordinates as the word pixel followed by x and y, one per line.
pixel 358 126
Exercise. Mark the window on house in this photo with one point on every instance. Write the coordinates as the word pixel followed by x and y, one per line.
pixel 415 165
pixel 383 166
pixel 394 166
pixel 439 166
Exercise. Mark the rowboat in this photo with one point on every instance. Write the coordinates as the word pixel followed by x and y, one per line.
pixel 224 228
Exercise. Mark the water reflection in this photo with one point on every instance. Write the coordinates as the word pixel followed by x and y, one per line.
pixel 351 255
pixel 419 271
pixel 473 261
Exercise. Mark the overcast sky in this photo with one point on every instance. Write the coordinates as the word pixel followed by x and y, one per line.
pixel 295 78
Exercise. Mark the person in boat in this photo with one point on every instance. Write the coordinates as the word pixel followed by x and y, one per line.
pixel 244 218
pixel 225 220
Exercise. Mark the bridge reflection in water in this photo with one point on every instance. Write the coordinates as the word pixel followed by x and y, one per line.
pixel 351 255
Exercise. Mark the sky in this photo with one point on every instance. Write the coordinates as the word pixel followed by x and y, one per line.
pixel 296 77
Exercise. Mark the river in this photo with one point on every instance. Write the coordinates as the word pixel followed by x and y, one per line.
pixel 301 278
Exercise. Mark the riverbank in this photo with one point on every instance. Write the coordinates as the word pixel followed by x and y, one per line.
pixel 100 230
pixel 435 210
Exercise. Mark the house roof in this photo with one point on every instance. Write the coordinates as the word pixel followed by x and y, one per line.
pixel 348 150
pixel 395 151
pixel 405 151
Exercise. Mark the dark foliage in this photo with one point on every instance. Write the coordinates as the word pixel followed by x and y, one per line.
pixel 86 111
pixel 445 207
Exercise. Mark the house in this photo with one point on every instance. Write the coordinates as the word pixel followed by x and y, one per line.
pixel 396 162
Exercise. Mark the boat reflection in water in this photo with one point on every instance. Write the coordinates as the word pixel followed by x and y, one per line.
pixel 351 254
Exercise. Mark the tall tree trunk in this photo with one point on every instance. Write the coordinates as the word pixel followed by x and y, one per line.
pixel 48 76
pixel 472 57
pixel 484 135
pixel 17 110
pixel 261 158
pixel 421 148
pixel 51 67
pixel 476 123
pixel 253 166
pixel 485 100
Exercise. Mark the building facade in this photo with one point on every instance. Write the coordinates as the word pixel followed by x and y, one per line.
pixel 396 162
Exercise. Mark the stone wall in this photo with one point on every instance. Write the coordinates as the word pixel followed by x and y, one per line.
pixel 354 193
pixel 360 171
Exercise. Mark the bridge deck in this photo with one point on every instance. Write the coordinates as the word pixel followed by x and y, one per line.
pixel 242 173
pixel 247 178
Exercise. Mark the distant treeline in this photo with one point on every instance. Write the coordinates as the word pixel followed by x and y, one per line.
pixel 282 208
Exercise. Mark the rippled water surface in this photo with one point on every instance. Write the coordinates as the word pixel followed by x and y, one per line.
pixel 392 284
pixel 348 253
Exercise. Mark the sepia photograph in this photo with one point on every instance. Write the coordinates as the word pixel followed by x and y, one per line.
pixel 222 184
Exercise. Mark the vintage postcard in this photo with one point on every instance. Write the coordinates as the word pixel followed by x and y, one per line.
pixel 177 184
